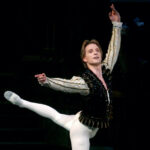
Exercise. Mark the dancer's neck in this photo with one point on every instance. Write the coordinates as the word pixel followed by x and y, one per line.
pixel 97 70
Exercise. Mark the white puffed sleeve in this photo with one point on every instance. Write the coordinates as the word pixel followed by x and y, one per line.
pixel 74 85
pixel 114 46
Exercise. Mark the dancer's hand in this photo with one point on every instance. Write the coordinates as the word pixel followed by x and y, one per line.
pixel 41 77
pixel 114 14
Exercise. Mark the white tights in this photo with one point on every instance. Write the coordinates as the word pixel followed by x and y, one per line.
pixel 79 134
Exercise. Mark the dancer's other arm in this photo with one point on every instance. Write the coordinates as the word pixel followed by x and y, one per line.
pixel 74 85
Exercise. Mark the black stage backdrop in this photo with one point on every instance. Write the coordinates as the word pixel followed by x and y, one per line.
pixel 46 36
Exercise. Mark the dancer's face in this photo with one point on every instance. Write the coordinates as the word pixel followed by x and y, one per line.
pixel 92 55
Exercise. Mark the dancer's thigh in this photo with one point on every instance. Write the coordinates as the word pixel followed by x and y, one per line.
pixel 63 120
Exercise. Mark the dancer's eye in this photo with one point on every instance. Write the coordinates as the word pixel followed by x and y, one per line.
pixel 90 50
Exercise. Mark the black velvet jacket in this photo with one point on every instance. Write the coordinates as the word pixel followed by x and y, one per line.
pixel 97 105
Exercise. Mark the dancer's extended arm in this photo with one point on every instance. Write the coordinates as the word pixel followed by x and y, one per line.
pixel 73 85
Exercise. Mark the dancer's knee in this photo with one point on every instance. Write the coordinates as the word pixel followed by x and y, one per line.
pixel 80 143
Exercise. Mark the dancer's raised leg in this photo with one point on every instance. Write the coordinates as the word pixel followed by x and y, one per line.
pixel 41 109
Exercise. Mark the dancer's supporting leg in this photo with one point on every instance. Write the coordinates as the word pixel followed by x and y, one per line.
pixel 80 135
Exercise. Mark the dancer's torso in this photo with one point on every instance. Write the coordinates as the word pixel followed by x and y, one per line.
pixel 97 105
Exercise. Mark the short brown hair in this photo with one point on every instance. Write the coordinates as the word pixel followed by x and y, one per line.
pixel 84 44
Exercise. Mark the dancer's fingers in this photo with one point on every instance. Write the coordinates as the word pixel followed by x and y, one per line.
pixel 112 7
pixel 36 76
pixel 40 75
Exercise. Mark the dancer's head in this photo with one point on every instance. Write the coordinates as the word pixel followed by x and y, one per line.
pixel 91 53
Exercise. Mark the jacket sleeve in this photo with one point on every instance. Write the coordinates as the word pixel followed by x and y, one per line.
pixel 114 46
pixel 74 85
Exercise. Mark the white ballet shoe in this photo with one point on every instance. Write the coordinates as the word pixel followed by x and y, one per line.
pixel 13 98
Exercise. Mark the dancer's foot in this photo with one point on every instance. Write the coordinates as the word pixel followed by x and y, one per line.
pixel 13 98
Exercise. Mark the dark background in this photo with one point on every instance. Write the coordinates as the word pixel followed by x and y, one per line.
pixel 46 36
